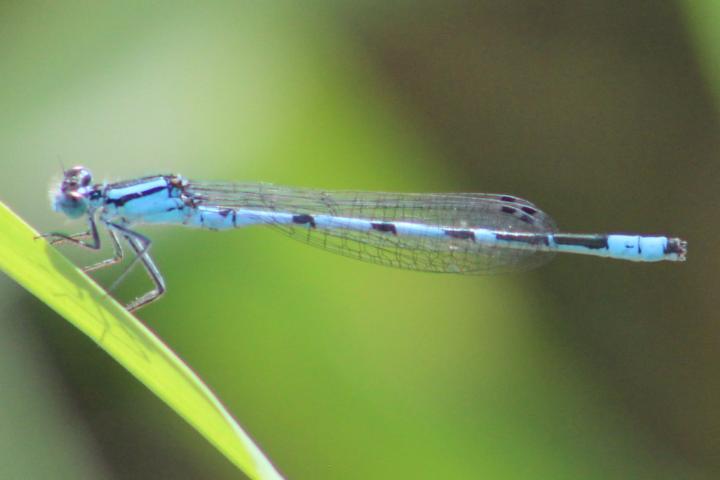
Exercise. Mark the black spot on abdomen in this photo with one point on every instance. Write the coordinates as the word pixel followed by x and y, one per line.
pixel 594 242
pixel 461 234
pixel 304 219
pixel 384 227
pixel 530 239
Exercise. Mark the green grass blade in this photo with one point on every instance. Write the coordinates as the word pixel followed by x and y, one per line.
pixel 48 275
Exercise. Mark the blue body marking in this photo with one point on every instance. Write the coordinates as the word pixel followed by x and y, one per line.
pixel 454 233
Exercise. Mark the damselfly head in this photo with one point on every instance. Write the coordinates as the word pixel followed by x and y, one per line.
pixel 76 177
pixel 70 197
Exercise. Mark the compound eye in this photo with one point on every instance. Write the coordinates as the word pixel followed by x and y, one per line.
pixel 84 178
pixel 71 203
pixel 78 176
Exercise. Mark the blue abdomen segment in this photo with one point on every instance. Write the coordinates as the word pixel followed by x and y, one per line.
pixel 629 247
pixel 220 218
pixel 649 249
pixel 624 247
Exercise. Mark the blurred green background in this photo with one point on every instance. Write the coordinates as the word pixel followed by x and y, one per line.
pixel 603 113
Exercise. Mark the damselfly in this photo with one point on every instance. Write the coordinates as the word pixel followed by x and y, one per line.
pixel 467 233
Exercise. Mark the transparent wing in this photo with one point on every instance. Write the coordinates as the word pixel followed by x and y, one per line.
pixel 505 213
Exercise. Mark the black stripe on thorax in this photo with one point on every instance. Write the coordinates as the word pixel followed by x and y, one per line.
pixel 138 181
pixel 384 227
pixel 596 242
pixel 96 193
pixel 119 202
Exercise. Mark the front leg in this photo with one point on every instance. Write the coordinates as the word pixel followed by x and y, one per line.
pixel 60 238
pixel 57 238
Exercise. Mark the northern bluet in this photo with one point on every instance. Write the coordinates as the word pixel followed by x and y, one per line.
pixel 467 233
